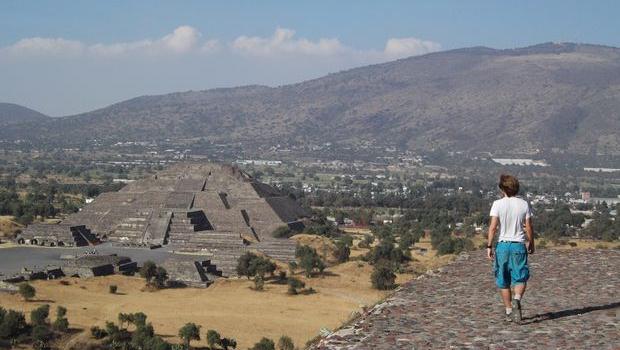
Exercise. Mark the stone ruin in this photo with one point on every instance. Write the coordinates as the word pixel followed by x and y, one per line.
pixel 216 212
pixel 83 266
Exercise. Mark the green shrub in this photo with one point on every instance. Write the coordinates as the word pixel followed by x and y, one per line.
pixel 13 325
pixel 347 240
pixel 286 343
pixel 342 252
pixel 294 284
pixel 382 277
pixel 283 232
pixel 38 316
pixel 27 291
pixel 113 289
pixel 309 260
pixel 250 264
pixel 259 283
pixel 213 338
pixel 264 344
pixel 61 324
pixel 97 332
pixel 189 332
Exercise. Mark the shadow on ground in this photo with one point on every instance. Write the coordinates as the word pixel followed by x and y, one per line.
pixel 565 313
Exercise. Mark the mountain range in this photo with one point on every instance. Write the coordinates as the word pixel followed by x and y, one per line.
pixel 555 96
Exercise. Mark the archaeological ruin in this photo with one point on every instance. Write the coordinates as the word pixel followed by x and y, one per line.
pixel 208 214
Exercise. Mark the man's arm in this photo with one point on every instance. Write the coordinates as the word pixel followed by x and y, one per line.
pixel 492 229
pixel 529 231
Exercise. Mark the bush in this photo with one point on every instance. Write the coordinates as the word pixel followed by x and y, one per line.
pixel 13 324
pixel 41 335
pixel 97 332
pixel 148 271
pixel 347 240
pixel 189 332
pixel 228 343
pixel 386 252
pixel 406 241
pixel 363 245
pixel 38 316
pixel 259 283
pixel 113 288
pixel 161 276
pixel 250 264
pixel 264 344
pixel 454 246
pixel 27 291
pixel 294 284
pixel 62 323
pixel 382 277
pixel 342 252
pixel 286 343
pixel 283 232
pixel 309 259
pixel 213 338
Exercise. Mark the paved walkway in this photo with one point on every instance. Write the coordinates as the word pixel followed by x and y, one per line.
pixel 573 302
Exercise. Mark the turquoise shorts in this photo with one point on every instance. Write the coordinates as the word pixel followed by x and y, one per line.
pixel 511 264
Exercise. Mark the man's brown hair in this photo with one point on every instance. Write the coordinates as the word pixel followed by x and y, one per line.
pixel 509 184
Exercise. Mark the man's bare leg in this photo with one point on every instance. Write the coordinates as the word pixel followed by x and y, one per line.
pixel 519 290
pixel 506 297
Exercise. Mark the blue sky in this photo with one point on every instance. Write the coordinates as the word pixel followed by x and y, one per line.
pixel 66 57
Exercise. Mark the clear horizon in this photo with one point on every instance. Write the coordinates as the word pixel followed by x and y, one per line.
pixel 67 57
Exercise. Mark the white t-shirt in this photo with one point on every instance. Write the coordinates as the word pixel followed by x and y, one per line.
pixel 512 212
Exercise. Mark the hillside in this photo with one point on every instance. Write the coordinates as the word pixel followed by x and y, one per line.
pixel 11 113
pixel 548 96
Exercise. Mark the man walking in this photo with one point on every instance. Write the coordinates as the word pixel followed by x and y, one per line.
pixel 513 215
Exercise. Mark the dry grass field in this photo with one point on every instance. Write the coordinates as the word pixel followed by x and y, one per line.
pixel 229 306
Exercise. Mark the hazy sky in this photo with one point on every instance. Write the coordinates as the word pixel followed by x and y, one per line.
pixel 67 57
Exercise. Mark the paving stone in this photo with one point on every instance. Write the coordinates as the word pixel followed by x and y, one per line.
pixel 572 302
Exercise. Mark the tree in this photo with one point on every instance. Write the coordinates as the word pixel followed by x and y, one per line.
pixel 161 276
pixel 243 264
pixel 97 332
pixel 259 282
pixel 41 336
pixel 27 291
pixel 228 343
pixel 264 344
pixel 157 343
pixel 142 335
pixel 61 323
pixel 294 284
pixel 13 324
pixel 148 271
pixel 124 318
pixel 213 338
pixel 138 319
pixel 382 277
pixel 342 252
pixel 286 343
pixel 283 232
pixel 38 316
pixel 250 264
pixel 309 259
pixel 113 288
pixel 189 332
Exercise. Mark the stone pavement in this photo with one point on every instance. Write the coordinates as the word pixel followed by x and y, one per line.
pixel 572 302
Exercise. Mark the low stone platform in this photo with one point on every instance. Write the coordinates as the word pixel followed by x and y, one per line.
pixel 572 302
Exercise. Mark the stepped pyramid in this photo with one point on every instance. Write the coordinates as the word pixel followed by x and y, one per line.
pixel 216 211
